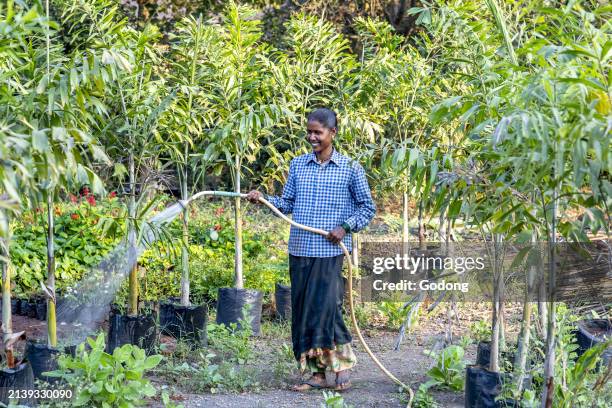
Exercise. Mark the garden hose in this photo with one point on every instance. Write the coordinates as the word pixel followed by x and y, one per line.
pixel 350 277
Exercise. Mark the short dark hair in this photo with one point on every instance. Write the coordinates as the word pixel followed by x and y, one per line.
pixel 324 116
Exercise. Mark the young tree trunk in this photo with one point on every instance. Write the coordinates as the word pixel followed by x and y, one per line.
pixel 7 322
pixel 238 279
pixel 405 230
pixel 133 281
pixel 185 284
pixel 502 324
pixel 51 320
pixel 494 361
pixel 422 245
pixel 185 246
pixel 451 305
pixel 549 362
pixel 497 300
pixel 542 306
pixel 520 362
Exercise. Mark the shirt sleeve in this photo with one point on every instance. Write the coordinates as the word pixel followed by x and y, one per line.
pixel 285 202
pixel 360 191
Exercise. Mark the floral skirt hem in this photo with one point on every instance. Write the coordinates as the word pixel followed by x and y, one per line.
pixel 317 360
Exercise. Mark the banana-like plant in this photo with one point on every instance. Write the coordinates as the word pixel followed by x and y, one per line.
pixel 240 92
pixel 189 119
pixel 133 98
pixel 142 98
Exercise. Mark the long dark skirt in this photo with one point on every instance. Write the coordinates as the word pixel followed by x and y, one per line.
pixel 317 289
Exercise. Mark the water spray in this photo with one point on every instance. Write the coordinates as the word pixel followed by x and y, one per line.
pixel 185 203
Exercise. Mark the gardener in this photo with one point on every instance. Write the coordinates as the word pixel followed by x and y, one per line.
pixel 324 190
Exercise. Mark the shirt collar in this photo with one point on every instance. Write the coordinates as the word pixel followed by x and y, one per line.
pixel 335 157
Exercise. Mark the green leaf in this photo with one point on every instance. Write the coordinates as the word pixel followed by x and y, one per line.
pixel 99 154
pixel 119 170
pixel 40 142
pixel 96 387
pixel 152 361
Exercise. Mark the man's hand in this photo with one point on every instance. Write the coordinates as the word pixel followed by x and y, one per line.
pixel 336 235
pixel 253 196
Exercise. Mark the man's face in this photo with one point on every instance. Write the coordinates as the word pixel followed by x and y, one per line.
pixel 319 137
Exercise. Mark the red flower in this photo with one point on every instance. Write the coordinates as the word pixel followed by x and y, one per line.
pixel 85 191
pixel 112 194
pixel 74 216
pixel 91 200
pixel 73 199
pixel 217 227
pixel 219 211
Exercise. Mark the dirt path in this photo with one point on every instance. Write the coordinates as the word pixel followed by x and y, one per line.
pixel 371 388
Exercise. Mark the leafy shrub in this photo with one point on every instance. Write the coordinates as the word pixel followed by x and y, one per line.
pixel 205 376
pixel 395 311
pixel 481 331
pixel 211 260
pixel 584 384
pixel 211 270
pixel 284 362
pixel 85 230
pixel 214 228
pixel 231 342
pixel 423 399
pixel 364 315
pixel 448 371
pixel 101 379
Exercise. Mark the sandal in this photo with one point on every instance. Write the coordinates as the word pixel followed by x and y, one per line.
pixel 343 381
pixel 311 384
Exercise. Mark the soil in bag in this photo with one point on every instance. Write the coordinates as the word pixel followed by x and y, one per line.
pixel 483 354
pixel 42 358
pixel 282 296
pixel 230 303
pixel 139 330
pixel 185 322
pixel 592 332
pixel 16 307
pixel 18 378
pixel 481 387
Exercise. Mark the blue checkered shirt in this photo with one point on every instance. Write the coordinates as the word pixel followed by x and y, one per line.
pixel 325 197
